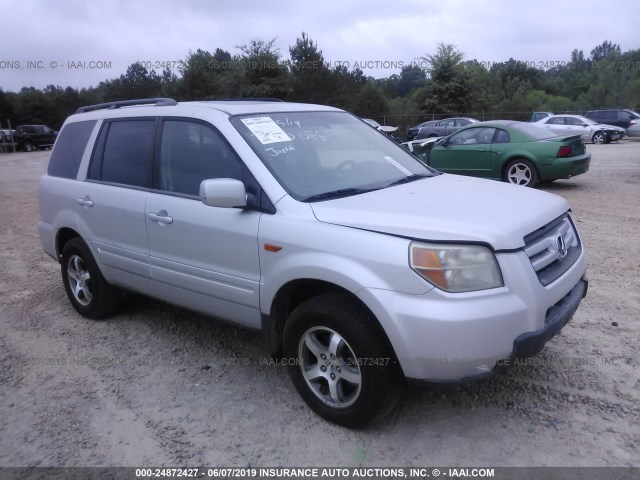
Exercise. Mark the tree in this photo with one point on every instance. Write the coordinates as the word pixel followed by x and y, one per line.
pixel 370 102
pixel 411 77
pixel 138 82
pixel 604 50
pixel 6 108
pixel 311 77
pixel 198 76
pixel 345 86
pixel 264 75
pixel 448 89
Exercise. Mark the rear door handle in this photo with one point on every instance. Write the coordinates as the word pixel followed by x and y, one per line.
pixel 85 202
pixel 161 217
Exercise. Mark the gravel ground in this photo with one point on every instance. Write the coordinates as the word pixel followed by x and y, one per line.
pixel 158 386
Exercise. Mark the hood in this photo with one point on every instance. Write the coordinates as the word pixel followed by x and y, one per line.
pixel 609 127
pixel 448 208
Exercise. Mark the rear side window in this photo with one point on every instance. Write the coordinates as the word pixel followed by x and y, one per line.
pixel 627 115
pixel 125 152
pixel 71 144
pixel 555 121
pixel 501 136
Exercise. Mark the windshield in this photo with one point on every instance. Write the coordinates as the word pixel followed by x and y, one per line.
pixel 321 155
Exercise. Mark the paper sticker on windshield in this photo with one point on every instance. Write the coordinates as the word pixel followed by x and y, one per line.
pixel 397 165
pixel 266 130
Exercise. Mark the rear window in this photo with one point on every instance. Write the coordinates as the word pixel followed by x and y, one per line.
pixel 71 144
pixel 535 131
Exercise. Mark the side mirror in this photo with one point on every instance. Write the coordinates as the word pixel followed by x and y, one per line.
pixel 223 193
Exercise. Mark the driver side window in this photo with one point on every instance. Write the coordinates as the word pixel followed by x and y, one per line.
pixel 191 152
pixel 473 136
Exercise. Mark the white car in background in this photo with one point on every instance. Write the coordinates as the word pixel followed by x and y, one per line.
pixel 589 130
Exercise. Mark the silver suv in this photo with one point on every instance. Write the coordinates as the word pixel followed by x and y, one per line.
pixel 363 268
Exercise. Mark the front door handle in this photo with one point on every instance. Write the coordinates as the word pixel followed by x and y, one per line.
pixel 161 217
pixel 85 202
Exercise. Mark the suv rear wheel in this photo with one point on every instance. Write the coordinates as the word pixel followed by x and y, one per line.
pixel 88 291
pixel 28 147
pixel 339 361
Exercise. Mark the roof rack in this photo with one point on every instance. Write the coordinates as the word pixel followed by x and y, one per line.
pixel 159 102
pixel 249 99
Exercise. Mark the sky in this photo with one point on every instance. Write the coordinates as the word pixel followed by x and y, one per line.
pixel 81 43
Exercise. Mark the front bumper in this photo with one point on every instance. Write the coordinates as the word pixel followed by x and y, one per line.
pixel 615 136
pixel 442 337
pixel 530 343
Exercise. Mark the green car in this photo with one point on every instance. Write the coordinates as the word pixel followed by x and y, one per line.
pixel 516 152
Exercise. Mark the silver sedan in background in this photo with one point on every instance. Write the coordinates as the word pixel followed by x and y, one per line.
pixel 589 130
pixel 444 127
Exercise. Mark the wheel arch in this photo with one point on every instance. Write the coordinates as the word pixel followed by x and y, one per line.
pixel 517 156
pixel 601 132
pixel 294 293
pixel 62 237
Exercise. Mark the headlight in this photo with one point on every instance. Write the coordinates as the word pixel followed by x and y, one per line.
pixel 456 268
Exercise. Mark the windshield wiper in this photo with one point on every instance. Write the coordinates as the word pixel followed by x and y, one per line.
pixel 343 192
pixel 410 178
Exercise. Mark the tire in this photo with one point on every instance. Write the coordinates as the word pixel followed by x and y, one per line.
pixel 599 138
pixel 521 172
pixel 340 362
pixel 88 291
pixel 28 147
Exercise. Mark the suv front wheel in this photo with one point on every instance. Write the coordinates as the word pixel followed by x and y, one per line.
pixel 88 291
pixel 339 361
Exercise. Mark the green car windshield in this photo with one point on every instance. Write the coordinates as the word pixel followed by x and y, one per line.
pixel 321 155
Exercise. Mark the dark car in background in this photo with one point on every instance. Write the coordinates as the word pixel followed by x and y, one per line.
pixel 620 117
pixel 444 127
pixel 33 137
pixel 413 131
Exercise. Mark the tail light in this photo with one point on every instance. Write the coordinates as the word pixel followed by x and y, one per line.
pixel 564 152
pixel 632 123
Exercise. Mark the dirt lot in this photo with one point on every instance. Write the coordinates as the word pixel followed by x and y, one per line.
pixel 155 385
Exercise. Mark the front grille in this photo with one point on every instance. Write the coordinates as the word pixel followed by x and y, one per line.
pixel 553 248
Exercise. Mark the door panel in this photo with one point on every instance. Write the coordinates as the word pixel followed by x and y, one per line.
pixel 467 153
pixel 111 204
pixel 205 258
pixel 113 219
pixel 208 251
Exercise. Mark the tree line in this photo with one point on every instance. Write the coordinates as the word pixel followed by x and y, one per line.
pixel 444 83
